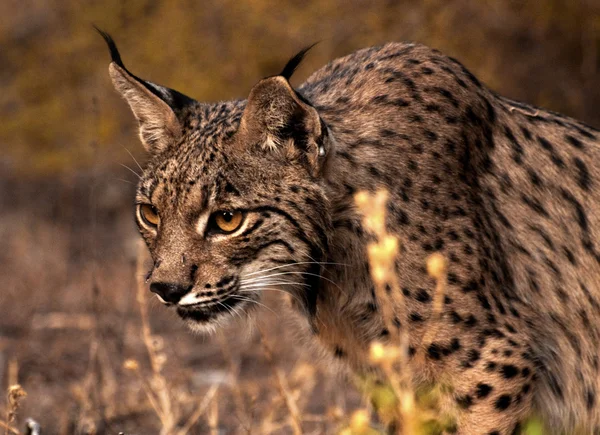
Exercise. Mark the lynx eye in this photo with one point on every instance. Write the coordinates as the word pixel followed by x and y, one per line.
pixel 149 215
pixel 228 221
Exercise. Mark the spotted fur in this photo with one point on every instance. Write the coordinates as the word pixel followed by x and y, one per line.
pixel 507 192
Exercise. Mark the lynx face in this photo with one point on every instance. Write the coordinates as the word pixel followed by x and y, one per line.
pixel 232 201
pixel 230 230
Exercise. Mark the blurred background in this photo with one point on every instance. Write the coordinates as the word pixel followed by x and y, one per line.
pixel 69 318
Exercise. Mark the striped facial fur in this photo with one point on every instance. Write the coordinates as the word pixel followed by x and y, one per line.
pixel 244 197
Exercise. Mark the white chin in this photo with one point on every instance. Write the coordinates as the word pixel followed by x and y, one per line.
pixel 210 327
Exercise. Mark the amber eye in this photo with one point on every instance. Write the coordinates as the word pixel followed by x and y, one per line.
pixel 228 221
pixel 149 215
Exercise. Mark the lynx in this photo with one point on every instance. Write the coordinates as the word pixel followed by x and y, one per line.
pixel 243 196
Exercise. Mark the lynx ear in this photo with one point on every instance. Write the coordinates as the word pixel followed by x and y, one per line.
pixel 158 109
pixel 278 118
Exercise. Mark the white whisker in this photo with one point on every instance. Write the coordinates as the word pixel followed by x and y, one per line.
pixel 267 279
pixel 305 273
pixel 125 181
pixel 136 162
pixel 294 264
pixel 229 309
pixel 263 288
pixel 132 171
pixel 243 298
pixel 259 285
pixel 243 290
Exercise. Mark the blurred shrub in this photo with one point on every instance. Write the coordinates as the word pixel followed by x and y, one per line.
pixel 59 112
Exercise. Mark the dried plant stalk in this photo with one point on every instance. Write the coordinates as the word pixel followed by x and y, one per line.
pixel 238 395
pixel 161 395
pixel 393 358
pixel 16 394
pixel 436 267
pixel 284 389
pixel 159 392
pixel 383 254
pixel 9 429
pixel 200 410
pixel 13 372
pixel 213 418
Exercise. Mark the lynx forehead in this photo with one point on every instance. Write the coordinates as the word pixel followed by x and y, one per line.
pixel 248 196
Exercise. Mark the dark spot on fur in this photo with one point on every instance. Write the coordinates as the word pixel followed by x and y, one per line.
pixel 470 321
pixel 455 344
pixel 473 356
pixel 535 205
pixel 590 399
pixel 422 296
pixel 465 401
pixel 483 300
pixel 583 175
pixel 431 135
pixel 552 152
pixel 455 317
pixel 503 402
pixel 509 371
pixel 483 390
pixel 415 317
pixel 470 286
pixel 490 366
pixel 574 142
pixel 569 254
pixel 434 351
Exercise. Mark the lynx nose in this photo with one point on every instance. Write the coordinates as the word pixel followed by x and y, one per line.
pixel 171 293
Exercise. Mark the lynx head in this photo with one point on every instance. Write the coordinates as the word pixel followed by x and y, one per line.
pixel 232 200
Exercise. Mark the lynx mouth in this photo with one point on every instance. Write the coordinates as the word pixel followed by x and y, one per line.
pixel 206 312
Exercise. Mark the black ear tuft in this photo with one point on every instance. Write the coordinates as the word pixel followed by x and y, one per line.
pixel 294 62
pixel 174 99
pixel 112 47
